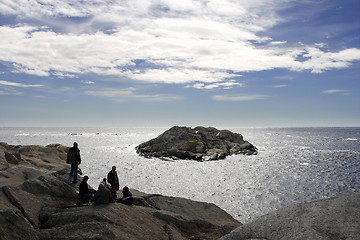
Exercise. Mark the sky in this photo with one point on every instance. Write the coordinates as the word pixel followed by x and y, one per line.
pixel 158 63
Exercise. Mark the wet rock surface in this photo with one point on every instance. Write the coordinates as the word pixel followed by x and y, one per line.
pixel 200 143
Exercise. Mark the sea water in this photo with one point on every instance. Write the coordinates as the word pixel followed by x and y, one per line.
pixel 293 165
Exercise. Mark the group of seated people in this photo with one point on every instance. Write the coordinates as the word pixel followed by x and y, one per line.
pixel 105 194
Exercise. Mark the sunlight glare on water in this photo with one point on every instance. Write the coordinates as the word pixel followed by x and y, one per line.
pixel 293 165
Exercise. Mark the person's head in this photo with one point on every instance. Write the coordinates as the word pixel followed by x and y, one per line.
pixel 113 168
pixel 75 144
pixel 86 178
pixel 125 189
pixel 104 180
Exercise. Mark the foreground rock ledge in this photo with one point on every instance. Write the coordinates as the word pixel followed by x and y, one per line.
pixel 328 219
pixel 198 143
pixel 39 201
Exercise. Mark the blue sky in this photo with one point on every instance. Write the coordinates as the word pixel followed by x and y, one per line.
pixel 250 63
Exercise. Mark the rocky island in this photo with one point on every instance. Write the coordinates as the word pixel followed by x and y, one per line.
pixel 199 143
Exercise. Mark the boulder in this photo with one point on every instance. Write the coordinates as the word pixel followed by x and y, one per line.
pixel 14 226
pixel 45 159
pixel 5 152
pixel 21 163
pixel 333 218
pixel 198 143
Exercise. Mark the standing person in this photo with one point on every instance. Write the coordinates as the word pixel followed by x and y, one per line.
pixel 113 179
pixel 73 158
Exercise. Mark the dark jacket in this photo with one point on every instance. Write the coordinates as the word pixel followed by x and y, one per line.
pixel 127 198
pixel 73 156
pixel 113 179
pixel 84 188
pixel 102 196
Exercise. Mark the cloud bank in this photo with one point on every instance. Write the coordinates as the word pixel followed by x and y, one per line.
pixel 201 44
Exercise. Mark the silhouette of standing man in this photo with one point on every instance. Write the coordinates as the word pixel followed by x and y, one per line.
pixel 73 158
pixel 113 179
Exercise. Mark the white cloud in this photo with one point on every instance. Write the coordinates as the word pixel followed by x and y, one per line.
pixel 64 75
pixel 130 94
pixel 173 75
pixel 35 71
pixel 38 9
pixel 227 97
pixel 277 43
pixel 332 91
pixel 88 82
pixel 15 84
pixel 320 61
pixel 279 86
pixel 184 42
pixel 224 85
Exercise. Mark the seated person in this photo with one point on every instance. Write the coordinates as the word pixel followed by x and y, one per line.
pixel 102 195
pixel 127 197
pixel 112 194
pixel 104 181
pixel 85 192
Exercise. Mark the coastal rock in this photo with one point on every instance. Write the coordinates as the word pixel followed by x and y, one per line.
pixel 39 201
pixel 51 157
pixel 198 143
pixel 333 218
pixel 163 218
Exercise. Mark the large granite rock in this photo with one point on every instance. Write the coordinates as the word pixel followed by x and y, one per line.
pixel 51 157
pixel 198 143
pixel 328 219
pixel 39 201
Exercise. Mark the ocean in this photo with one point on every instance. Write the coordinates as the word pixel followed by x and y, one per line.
pixel 293 165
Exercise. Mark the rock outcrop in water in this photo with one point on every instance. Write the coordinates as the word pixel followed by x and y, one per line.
pixel 39 201
pixel 198 143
